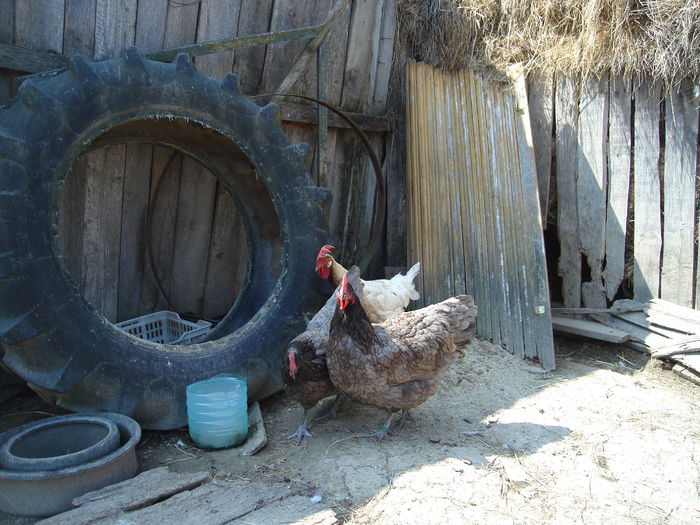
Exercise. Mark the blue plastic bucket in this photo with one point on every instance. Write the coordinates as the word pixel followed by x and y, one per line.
pixel 217 411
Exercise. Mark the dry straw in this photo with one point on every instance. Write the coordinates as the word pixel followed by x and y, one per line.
pixel 660 38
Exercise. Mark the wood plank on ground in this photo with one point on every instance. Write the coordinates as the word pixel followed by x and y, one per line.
pixel 590 329
pixel 647 192
pixel 145 489
pixel 679 196
pixel 619 166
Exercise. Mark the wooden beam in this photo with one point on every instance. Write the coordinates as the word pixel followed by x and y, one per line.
pixel 29 60
pixel 304 114
pixel 590 329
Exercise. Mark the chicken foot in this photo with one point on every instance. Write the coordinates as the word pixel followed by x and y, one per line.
pixel 303 430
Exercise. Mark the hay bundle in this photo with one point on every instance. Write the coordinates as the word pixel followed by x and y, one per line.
pixel 660 38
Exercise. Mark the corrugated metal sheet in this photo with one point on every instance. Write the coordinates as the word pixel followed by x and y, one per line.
pixel 474 219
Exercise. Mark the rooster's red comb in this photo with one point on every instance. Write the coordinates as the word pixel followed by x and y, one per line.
pixel 325 250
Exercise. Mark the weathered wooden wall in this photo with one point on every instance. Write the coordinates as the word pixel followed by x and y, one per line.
pixel 625 161
pixel 197 236
pixel 473 205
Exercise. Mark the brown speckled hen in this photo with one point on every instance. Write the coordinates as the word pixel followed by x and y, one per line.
pixel 397 364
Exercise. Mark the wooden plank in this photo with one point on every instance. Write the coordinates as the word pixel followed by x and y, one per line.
pixel 228 256
pixel 28 60
pixel 7 22
pixel 192 236
pixel 39 24
pixel 181 23
pixel 102 233
pixel 685 373
pixel 385 52
pixel 281 56
pixel 689 344
pixel 151 19
pixel 145 489
pixel 591 185
pixel 540 96
pixel 79 32
pixel 302 113
pixel 164 201
pixel 253 19
pixel 681 312
pixel 588 329
pixel 397 172
pixel 115 27
pixel 217 21
pixel 566 111
pixel 679 196
pixel 533 261
pixel 218 503
pixel 647 193
pixel 137 179
pixel 619 166
pixel 637 333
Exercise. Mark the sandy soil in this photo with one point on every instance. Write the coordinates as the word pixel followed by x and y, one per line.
pixel 501 442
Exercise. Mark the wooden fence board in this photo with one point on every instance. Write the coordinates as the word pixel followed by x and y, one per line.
pixel 151 20
pixel 217 21
pixel 115 27
pixel 679 197
pixel 137 178
pixel 537 311
pixel 647 193
pixel 79 32
pixel 7 22
pixel 540 95
pixel 181 24
pixel 161 232
pixel 566 110
pixel 227 260
pixel 39 24
pixel 619 165
pixel 253 19
pixel 191 249
pixel 591 185
pixel 102 233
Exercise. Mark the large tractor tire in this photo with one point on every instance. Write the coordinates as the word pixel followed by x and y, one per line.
pixel 52 337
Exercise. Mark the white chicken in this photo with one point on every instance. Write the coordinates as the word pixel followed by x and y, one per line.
pixel 382 298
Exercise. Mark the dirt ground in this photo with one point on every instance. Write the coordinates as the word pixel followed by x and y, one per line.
pixel 501 442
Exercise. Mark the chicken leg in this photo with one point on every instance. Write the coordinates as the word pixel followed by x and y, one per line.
pixel 384 430
pixel 303 430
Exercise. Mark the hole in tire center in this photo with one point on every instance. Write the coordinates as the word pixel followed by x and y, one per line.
pixel 182 177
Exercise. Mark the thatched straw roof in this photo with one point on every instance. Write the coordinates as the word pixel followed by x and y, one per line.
pixel 660 38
